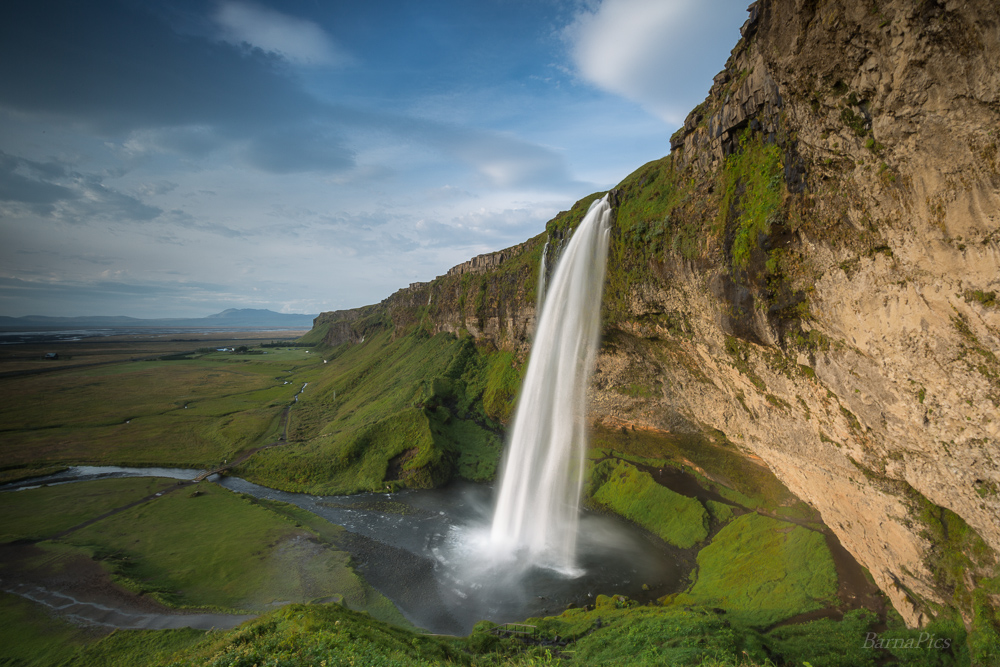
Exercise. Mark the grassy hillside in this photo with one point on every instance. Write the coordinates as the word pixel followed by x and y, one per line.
pixel 395 411
pixel 616 632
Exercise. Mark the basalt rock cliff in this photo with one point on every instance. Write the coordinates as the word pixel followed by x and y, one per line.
pixel 813 270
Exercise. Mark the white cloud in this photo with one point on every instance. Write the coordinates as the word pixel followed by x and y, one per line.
pixel 296 39
pixel 653 52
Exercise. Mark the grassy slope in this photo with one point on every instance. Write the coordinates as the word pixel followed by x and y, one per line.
pixel 30 636
pixel 765 570
pixel 633 494
pixel 435 402
pixel 615 633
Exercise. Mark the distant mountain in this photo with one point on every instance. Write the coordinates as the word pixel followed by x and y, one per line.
pixel 231 317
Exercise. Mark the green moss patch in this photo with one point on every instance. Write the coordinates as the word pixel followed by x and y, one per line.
pixel 752 184
pixel 633 494
pixel 726 470
pixel 767 570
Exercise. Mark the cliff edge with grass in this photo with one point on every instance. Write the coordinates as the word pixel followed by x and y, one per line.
pixel 813 272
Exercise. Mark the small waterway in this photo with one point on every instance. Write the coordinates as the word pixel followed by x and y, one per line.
pixel 422 550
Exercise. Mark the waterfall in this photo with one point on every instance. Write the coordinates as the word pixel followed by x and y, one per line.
pixel 537 508
pixel 540 297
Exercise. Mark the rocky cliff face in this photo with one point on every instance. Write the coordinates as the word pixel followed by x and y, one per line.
pixel 813 271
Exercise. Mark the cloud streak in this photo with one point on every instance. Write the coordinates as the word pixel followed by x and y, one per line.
pixel 296 39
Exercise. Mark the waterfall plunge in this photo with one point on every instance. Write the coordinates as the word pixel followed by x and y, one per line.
pixel 537 509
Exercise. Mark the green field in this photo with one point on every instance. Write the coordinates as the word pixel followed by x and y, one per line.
pixel 35 514
pixel 203 546
pixel 194 412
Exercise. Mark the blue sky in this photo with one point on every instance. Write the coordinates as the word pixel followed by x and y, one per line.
pixel 162 159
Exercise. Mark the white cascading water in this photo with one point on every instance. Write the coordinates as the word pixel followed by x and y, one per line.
pixel 538 506
pixel 540 296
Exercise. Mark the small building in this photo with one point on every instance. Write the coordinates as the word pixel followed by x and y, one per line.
pixel 51 355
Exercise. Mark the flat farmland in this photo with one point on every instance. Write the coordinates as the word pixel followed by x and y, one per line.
pixel 30 357
pixel 191 411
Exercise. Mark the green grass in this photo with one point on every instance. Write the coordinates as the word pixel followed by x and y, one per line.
pixel 40 513
pixel 128 648
pixel 29 636
pixel 827 643
pixel 633 494
pixel 721 512
pixel 79 416
pixel 428 406
pixel 649 636
pixel 204 546
pixel 652 193
pixel 764 571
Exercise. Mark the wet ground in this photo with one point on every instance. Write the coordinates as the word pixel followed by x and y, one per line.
pixel 80 590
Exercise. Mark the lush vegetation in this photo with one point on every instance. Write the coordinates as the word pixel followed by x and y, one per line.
pixel 633 494
pixel 752 188
pixel 192 546
pixel 249 556
pixel 764 569
pixel 395 411
pixel 729 473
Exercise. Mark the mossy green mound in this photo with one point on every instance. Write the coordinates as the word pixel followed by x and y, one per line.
pixel 321 635
pixel 633 494
pixel 732 475
pixel 765 570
